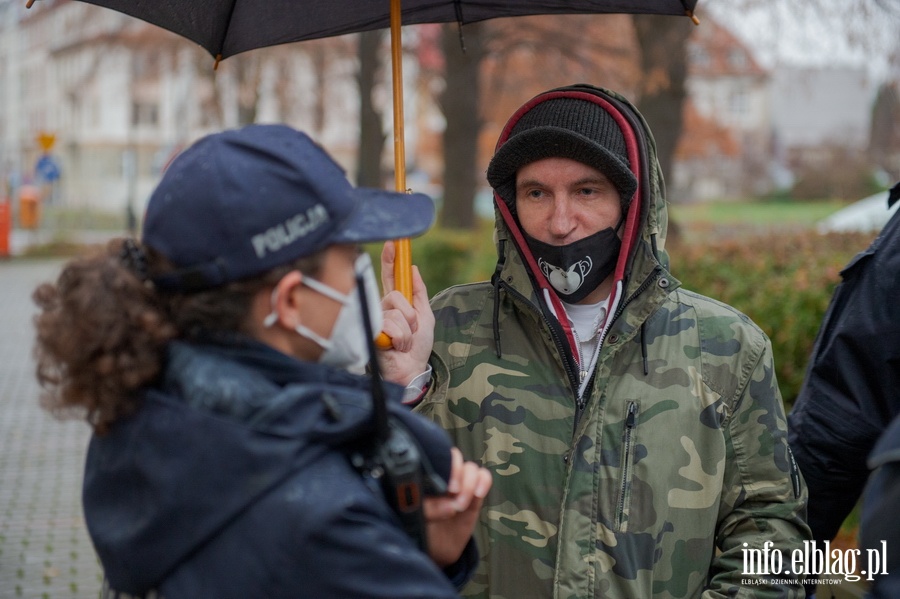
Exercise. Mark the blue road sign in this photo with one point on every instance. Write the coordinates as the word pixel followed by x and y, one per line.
pixel 47 168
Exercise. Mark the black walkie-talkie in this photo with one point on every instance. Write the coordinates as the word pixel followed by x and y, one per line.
pixel 396 452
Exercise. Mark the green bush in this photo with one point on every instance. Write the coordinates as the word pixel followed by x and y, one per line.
pixel 783 282
pixel 452 257
pixel 447 257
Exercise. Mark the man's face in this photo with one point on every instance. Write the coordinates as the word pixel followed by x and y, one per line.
pixel 560 200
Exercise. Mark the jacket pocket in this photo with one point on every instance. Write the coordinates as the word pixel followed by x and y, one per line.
pixel 623 505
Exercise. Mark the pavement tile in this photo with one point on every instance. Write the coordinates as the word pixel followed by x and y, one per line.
pixel 45 551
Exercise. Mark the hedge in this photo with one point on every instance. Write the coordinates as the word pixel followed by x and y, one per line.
pixel 783 281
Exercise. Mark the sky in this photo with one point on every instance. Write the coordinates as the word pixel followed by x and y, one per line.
pixel 816 32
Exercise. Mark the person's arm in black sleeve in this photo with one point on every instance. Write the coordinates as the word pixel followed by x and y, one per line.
pixel 849 394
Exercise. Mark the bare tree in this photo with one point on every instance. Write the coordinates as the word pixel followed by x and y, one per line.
pixel 566 48
pixel 884 135
pixel 492 67
pixel 663 42
pixel 371 132
pixel 459 102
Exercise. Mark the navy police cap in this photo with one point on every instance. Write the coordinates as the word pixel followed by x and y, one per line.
pixel 239 203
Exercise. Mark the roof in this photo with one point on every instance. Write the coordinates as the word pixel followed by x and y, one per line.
pixel 713 51
pixel 704 138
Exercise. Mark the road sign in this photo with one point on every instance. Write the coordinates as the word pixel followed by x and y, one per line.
pixel 46 140
pixel 47 168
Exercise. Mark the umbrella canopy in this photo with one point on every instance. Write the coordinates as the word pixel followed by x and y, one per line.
pixel 229 27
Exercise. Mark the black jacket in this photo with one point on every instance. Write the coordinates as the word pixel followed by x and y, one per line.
pixel 850 394
pixel 879 533
pixel 234 479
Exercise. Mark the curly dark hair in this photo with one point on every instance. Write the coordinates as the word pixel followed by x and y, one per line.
pixel 102 329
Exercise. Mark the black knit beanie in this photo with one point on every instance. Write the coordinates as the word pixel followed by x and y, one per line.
pixel 563 128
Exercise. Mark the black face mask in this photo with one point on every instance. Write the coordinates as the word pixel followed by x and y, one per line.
pixel 575 270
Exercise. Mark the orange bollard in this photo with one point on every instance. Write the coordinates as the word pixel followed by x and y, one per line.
pixel 5 227
pixel 29 207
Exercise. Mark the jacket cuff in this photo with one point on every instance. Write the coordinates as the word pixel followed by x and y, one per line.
pixel 416 389
pixel 462 571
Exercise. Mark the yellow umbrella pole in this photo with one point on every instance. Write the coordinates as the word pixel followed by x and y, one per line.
pixel 403 257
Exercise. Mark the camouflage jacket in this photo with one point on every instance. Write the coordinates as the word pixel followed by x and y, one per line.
pixel 676 463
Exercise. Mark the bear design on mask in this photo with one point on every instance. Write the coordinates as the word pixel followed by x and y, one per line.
pixel 567 281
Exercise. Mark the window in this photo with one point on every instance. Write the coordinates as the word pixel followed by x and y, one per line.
pixel 144 114
pixel 698 56
pixel 738 102
pixel 737 59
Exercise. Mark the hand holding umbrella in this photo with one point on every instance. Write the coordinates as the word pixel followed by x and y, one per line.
pixel 409 324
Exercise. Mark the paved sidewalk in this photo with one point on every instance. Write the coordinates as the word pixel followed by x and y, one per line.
pixel 45 551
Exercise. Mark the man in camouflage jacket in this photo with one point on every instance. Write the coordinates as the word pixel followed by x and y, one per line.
pixel 650 472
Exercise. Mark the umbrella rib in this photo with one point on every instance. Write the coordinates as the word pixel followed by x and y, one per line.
pixel 690 13
pixel 225 33
pixel 457 6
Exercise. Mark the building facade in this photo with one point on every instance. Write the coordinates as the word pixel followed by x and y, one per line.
pixel 725 148
pixel 120 97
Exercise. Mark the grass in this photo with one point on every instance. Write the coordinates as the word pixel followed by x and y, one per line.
pixel 65 218
pixel 692 223
pixel 749 212
pixel 700 222
pixel 58 248
pixel 755 212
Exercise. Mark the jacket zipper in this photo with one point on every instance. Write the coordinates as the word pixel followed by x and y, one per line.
pixel 630 420
pixel 647 282
pixel 795 474
pixel 581 402
pixel 553 334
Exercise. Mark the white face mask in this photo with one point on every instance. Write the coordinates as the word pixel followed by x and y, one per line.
pixel 347 348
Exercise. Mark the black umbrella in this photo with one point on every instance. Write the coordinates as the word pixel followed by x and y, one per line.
pixel 228 27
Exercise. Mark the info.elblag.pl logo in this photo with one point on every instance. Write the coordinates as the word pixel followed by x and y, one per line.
pixel 813 561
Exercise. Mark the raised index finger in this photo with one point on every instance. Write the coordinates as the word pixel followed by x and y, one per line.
pixel 388 253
